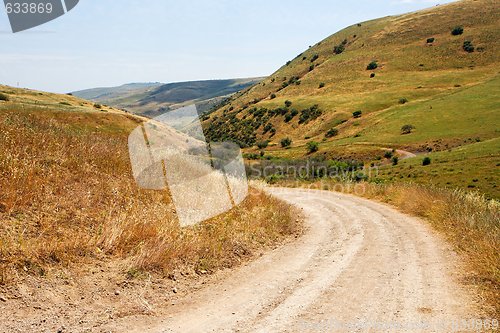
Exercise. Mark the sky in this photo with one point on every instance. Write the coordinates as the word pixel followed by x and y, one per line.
pixel 111 42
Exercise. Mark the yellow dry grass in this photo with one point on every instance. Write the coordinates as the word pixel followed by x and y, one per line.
pixel 68 197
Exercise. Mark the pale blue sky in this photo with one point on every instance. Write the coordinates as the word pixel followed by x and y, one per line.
pixel 111 42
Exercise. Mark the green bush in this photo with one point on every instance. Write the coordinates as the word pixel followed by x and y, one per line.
pixel 395 160
pixel 273 96
pixel 426 161
pixel 372 75
pixel 321 85
pixel 286 142
pixel 338 49
pixel 288 103
pixel 288 63
pixel 332 132
pixel 311 68
pixel 312 147
pixel 388 154
pixel 372 65
pixel 406 129
pixel 314 58
pixel 430 40
pixel 457 31
pixel 403 100
pixel 357 114
pixel 262 144
pixel 4 97
pixel 468 47
pixel 98 106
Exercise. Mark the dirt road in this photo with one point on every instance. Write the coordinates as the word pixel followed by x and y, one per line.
pixel 360 265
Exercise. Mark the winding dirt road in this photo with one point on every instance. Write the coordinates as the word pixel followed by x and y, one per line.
pixel 360 267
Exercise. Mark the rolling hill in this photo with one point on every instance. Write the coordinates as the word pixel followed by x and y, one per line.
pixel 152 99
pixel 435 71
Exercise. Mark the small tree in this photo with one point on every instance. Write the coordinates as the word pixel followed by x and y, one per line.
pixel 457 31
pixel 273 96
pixel 288 103
pixel 406 129
pixel 372 65
pixel 395 160
pixel 312 147
pixel 403 100
pixel 338 49
pixel 430 40
pixel 311 68
pixel 332 132
pixel 262 144
pixel 98 106
pixel 426 161
pixel 4 97
pixel 286 142
pixel 314 58
pixel 468 47
pixel 372 75
pixel 321 85
pixel 357 114
pixel 388 154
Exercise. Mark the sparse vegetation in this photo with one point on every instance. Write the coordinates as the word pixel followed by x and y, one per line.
pixel 97 106
pixel 395 160
pixel 262 144
pixel 310 114
pixel 388 154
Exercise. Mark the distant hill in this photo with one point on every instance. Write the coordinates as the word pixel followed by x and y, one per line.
pixel 152 99
pixel 435 70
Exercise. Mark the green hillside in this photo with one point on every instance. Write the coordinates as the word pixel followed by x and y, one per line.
pixel 436 71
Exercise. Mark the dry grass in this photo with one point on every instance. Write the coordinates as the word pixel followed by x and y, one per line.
pixel 67 196
pixel 470 223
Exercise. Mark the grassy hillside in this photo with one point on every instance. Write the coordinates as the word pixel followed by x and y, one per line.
pixel 425 77
pixel 68 197
pixel 152 99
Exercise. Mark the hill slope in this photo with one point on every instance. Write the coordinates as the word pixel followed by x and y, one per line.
pixel 424 77
pixel 152 99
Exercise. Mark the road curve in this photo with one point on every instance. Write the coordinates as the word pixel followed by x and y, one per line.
pixel 361 266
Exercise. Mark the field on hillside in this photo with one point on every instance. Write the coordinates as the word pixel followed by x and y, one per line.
pixel 399 83
pixel 68 197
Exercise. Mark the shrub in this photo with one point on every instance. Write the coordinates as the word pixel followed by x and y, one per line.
pixel 372 65
pixel 403 100
pixel 286 142
pixel 430 40
pixel 312 113
pixel 372 75
pixel 338 49
pixel 388 154
pixel 262 144
pixel 395 160
pixel 314 58
pixel 288 62
pixel 426 161
pixel 406 129
pixel 332 132
pixel 288 103
pixel 357 114
pixel 311 67
pixel 312 147
pixel 4 97
pixel 457 31
pixel 273 96
pixel 321 85
pixel 468 47
pixel 98 106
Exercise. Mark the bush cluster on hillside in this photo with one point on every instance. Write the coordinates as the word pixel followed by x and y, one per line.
pixel 332 132
pixel 457 31
pixel 338 49
pixel 312 146
pixel 357 114
pixel 372 65
pixel 286 142
pixel 307 115
pixel 406 129
pixel 468 47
